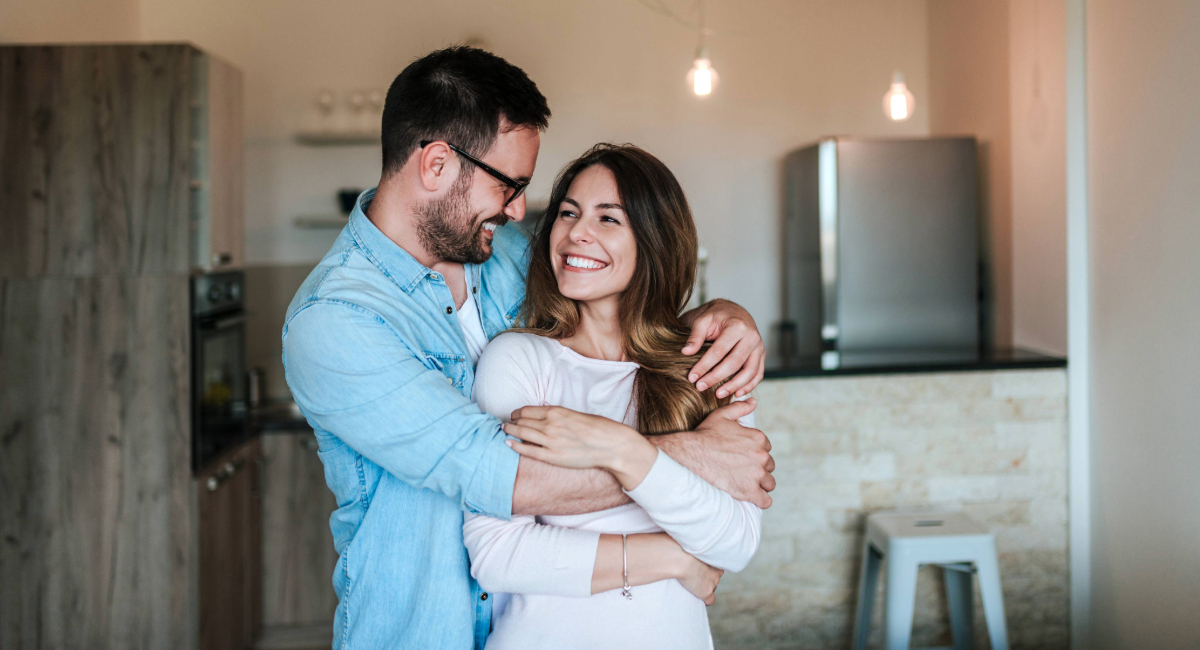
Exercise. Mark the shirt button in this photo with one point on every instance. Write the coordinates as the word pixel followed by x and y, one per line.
pixel 449 310
pixel 474 289
pixel 449 381
pixel 483 597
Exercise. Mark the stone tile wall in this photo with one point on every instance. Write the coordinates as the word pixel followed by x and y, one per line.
pixel 992 444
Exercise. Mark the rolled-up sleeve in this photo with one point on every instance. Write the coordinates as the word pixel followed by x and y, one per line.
pixel 354 377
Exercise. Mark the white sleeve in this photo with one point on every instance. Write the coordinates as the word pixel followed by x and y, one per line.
pixel 708 523
pixel 521 555
pixel 509 375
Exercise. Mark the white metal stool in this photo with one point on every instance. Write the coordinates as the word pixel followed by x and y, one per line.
pixel 953 541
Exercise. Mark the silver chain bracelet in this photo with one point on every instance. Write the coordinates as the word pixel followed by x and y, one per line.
pixel 625 567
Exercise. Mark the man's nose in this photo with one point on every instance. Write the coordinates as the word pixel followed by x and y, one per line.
pixel 516 209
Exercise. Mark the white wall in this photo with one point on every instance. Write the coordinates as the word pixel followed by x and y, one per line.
pixel 68 21
pixel 1037 116
pixel 1144 161
pixel 791 72
pixel 969 94
pixel 996 70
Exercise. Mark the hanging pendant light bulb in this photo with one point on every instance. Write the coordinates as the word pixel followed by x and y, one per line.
pixel 702 78
pixel 898 102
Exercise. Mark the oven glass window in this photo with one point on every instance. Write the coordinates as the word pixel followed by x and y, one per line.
pixel 221 393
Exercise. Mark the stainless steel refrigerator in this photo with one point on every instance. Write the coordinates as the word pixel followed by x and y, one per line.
pixel 881 247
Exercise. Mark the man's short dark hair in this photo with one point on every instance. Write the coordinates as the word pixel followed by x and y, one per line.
pixel 462 95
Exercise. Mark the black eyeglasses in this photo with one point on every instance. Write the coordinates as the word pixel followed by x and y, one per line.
pixel 517 186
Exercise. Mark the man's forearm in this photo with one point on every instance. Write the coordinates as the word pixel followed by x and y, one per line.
pixel 544 489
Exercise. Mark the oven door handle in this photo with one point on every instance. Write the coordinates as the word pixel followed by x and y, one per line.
pixel 223 323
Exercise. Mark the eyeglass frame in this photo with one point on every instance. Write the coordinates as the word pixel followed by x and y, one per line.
pixel 517 186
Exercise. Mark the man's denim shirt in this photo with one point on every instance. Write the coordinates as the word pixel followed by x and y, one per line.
pixel 377 362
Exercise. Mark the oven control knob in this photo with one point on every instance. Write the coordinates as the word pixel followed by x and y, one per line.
pixel 233 291
pixel 214 294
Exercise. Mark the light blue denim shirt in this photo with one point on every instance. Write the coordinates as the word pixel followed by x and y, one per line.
pixel 377 362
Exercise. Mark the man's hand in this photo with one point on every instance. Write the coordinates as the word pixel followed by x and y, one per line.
pixel 731 457
pixel 737 348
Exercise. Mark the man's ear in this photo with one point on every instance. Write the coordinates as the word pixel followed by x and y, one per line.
pixel 434 166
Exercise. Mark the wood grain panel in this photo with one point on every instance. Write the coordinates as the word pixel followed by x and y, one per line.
pixel 298 553
pixel 230 545
pixel 97 551
pixel 94 160
pixel 226 173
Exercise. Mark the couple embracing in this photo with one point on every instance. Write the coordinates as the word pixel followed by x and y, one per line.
pixel 530 445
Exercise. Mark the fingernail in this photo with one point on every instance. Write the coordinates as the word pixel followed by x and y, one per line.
pixel 701 387
pixel 693 377
pixel 509 443
pixel 721 394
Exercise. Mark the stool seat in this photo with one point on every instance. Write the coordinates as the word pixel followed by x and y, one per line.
pixel 908 540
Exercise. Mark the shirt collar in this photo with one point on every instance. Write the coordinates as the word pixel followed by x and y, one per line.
pixel 394 261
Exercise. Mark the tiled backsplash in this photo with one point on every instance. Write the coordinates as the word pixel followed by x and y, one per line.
pixel 269 290
pixel 992 444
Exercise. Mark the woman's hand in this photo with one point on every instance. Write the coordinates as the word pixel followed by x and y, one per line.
pixel 701 580
pixel 737 348
pixel 560 436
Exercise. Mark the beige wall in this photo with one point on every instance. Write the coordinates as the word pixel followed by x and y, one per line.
pixel 969 95
pixel 791 72
pixel 997 70
pixel 1037 115
pixel 1144 162
pixel 68 21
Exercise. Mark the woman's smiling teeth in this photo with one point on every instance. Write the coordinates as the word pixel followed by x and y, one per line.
pixel 584 262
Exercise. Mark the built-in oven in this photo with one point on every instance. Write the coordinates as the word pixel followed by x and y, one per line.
pixel 220 410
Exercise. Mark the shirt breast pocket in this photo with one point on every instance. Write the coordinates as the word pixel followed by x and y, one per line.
pixel 453 366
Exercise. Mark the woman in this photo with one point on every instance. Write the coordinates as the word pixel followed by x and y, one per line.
pixel 611 267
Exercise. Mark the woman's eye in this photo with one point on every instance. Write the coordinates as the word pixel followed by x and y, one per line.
pixel 609 219
pixel 566 214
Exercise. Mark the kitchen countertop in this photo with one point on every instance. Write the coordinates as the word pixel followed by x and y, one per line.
pixel 278 416
pixel 876 362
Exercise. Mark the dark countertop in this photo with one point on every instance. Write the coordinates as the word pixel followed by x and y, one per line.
pixel 278 416
pixel 881 362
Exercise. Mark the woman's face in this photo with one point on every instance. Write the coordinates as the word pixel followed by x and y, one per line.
pixel 592 248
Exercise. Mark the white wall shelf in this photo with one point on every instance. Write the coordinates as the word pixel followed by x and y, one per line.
pixel 337 138
pixel 321 222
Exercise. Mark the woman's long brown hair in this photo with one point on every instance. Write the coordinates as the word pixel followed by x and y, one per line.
pixel 663 275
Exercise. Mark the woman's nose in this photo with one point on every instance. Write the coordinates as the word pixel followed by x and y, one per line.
pixel 581 232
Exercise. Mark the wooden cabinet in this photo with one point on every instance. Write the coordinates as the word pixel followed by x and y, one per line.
pixel 120 176
pixel 231 550
pixel 217 166
pixel 119 160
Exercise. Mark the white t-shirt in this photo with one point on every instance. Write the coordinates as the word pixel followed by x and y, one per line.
pixel 472 327
pixel 539 569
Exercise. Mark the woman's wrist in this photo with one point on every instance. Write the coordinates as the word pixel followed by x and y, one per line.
pixel 633 459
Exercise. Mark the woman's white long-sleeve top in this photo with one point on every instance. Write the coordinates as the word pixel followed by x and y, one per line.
pixel 539 569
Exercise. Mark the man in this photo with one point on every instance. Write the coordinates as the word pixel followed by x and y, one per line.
pixel 379 347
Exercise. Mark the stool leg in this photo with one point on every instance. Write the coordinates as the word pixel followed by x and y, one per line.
pixel 993 598
pixel 866 595
pixel 959 595
pixel 899 597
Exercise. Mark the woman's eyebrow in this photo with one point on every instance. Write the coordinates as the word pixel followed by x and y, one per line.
pixel 571 201
pixel 608 206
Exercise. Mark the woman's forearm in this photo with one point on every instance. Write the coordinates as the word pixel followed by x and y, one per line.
pixel 652 557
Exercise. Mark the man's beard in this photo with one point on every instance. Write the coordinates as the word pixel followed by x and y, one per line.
pixel 447 230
